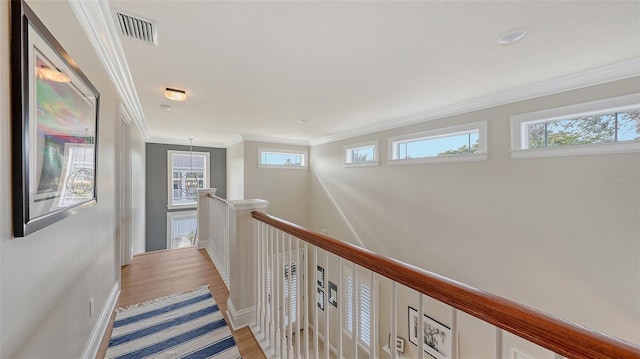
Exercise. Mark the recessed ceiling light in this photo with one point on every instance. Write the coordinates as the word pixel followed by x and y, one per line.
pixel 165 107
pixel 512 36
pixel 302 121
pixel 175 94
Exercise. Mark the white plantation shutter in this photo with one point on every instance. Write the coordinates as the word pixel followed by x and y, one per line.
pixel 291 286
pixel 349 305
pixel 364 307
pixel 364 322
pixel 268 291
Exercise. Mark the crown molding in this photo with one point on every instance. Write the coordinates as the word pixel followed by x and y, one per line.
pixel 234 141
pixel 269 139
pixel 182 142
pixel 614 72
pixel 95 19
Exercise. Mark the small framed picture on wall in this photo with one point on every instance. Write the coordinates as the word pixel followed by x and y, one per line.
pixel 320 276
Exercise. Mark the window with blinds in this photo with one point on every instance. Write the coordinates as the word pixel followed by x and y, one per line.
pixel 364 309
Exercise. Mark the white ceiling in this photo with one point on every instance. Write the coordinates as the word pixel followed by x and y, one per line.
pixel 260 67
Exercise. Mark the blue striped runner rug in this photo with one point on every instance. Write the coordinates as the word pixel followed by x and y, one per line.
pixel 186 325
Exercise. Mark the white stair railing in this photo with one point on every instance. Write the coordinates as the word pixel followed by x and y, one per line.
pixel 306 318
pixel 213 230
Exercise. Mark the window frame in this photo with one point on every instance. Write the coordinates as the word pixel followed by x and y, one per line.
pixel 348 150
pixel 176 214
pixel 361 279
pixel 479 126
pixel 207 175
pixel 519 140
pixel 305 158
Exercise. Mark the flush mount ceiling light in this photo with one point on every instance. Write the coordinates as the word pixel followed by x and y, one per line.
pixel 175 95
pixel 512 36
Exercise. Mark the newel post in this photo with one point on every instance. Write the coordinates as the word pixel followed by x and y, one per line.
pixel 205 222
pixel 243 256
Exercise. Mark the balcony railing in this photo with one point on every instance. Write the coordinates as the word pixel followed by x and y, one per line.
pixel 307 295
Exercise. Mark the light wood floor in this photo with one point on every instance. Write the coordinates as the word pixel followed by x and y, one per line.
pixel 157 274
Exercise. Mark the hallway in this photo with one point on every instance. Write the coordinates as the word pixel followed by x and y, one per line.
pixel 157 274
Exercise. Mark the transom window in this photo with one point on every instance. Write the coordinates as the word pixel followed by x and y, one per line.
pixel 187 173
pixel 466 142
pixel 365 153
pixel 282 158
pixel 605 126
pixel 590 129
pixel 456 144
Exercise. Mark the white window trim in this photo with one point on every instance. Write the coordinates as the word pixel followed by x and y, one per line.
pixel 373 162
pixel 171 215
pixel 480 126
pixel 519 144
pixel 364 278
pixel 207 165
pixel 279 150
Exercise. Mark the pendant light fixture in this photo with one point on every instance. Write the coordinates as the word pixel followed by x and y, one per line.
pixel 190 179
pixel 80 181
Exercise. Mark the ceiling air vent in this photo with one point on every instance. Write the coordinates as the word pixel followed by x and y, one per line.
pixel 136 27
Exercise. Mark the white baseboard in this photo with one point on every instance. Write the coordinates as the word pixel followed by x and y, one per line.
pixel 93 345
pixel 203 243
pixel 332 349
pixel 240 318
pixel 221 270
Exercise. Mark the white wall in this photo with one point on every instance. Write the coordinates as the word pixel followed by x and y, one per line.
pixel 286 189
pixel 47 278
pixel 558 234
pixel 235 171
pixel 138 165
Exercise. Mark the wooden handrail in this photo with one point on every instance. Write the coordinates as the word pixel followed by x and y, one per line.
pixel 562 337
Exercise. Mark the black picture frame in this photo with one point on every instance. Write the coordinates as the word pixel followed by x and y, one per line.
pixel 333 294
pixel 54 109
pixel 320 298
pixel 437 336
pixel 412 325
pixel 320 276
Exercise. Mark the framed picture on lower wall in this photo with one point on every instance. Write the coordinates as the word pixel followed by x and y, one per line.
pixel 320 298
pixel 436 336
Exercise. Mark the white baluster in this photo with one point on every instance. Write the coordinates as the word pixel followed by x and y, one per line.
pixel 326 305
pixel 272 326
pixel 298 298
pixel 341 304
pixel 257 227
pixel 289 290
pixel 454 333
pixel 420 338
pixel 316 325
pixel 265 243
pixel 394 320
pixel 354 311
pixel 307 301
pixel 283 301
pixel 277 293
pixel 373 347
pixel 497 344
